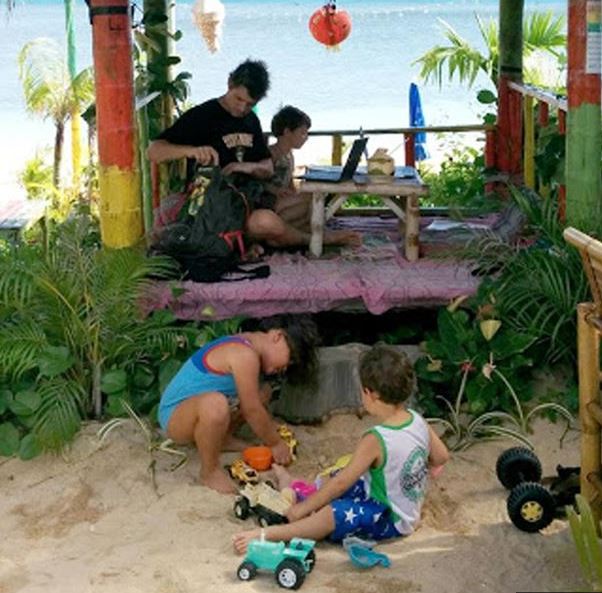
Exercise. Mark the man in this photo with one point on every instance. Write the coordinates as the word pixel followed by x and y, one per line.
pixel 225 132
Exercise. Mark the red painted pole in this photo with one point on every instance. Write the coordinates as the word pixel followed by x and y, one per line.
pixel 120 204
pixel 410 150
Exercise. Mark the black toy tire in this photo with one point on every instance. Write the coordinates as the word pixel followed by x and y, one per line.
pixel 311 560
pixel 263 522
pixel 531 507
pixel 290 574
pixel 517 465
pixel 242 508
pixel 246 571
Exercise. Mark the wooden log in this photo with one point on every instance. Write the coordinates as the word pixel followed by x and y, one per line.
pixel 588 351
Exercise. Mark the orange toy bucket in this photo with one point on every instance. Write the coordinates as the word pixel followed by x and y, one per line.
pixel 259 458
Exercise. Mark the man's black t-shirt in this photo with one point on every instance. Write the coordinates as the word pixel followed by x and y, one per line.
pixel 209 124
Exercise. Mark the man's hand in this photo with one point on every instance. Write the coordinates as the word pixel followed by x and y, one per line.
pixel 281 453
pixel 236 167
pixel 205 155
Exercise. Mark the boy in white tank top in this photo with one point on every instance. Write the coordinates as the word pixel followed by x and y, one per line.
pixel 379 494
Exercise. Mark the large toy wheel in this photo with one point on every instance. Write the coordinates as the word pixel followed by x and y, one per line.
pixel 290 574
pixel 242 508
pixel 517 465
pixel 246 571
pixel 531 507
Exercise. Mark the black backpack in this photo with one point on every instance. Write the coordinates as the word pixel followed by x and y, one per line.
pixel 209 243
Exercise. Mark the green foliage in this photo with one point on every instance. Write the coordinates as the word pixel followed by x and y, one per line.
pixel 587 542
pixel 460 182
pixel 550 155
pixel 458 356
pixel 542 31
pixel 72 336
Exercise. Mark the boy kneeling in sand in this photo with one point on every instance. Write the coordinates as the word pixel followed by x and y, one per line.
pixel 379 494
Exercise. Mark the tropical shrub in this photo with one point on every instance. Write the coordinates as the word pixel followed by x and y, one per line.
pixel 72 340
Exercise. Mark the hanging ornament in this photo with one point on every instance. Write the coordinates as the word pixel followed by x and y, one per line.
pixel 208 15
pixel 329 25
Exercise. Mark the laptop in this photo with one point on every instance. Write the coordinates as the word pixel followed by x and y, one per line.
pixel 334 174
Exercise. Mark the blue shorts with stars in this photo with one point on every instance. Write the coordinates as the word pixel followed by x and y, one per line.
pixel 356 514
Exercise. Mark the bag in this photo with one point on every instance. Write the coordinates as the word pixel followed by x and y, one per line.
pixel 208 241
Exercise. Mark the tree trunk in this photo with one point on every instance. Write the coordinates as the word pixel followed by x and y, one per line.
pixel 583 139
pixel 59 136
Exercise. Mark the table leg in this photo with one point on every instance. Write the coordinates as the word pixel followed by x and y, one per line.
pixel 317 224
pixel 412 228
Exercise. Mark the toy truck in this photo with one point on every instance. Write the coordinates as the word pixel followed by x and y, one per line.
pixel 262 500
pixel 289 563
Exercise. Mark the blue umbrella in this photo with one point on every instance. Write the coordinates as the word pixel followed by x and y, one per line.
pixel 417 121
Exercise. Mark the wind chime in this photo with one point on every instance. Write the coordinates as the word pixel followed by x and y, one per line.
pixel 329 25
pixel 208 15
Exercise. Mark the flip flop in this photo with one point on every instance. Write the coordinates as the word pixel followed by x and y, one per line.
pixel 363 557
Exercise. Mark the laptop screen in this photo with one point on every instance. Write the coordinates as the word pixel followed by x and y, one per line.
pixel 353 160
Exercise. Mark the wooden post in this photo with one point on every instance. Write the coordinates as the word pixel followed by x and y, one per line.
pixel 584 135
pixel 337 149
pixel 562 187
pixel 529 150
pixel 543 120
pixel 509 123
pixel 410 149
pixel 588 348
pixel 119 178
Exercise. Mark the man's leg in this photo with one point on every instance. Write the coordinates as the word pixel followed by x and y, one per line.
pixel 205 419
pixel 316 526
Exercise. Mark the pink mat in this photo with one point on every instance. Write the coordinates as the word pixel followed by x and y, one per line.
pixel 374 277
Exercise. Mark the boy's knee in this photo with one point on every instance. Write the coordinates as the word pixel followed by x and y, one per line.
pixel 264 223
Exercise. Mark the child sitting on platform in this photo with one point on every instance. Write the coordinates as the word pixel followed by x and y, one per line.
pixel 379 494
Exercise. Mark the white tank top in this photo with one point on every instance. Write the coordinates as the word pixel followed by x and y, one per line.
pixel 400 482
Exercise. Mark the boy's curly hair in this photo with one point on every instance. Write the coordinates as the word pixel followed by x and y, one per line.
pixel 388 372
pixel 290 118
pixel 302 338
pixel 254 76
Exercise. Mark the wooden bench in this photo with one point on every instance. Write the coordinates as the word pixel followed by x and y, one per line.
pixel 589 326
pixel 17 216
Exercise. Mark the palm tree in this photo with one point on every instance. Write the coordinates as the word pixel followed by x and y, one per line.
pixel 541 32
pixel 49 90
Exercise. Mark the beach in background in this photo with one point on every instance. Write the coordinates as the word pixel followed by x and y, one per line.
pixel 365 84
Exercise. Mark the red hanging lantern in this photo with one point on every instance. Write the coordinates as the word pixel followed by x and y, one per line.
pixel 329 25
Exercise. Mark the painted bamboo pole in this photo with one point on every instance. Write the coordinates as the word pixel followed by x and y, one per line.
pixel 509 135
pixel 562 188
pixel 76 141
pixel 543 120
pixel 588 347
pixel 337 149
pixel 119 178
pixel 529 149
pixel 410 149
pixel 584 137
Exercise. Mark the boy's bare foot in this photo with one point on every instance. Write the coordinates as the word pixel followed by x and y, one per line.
pixel 241 540
pixel 233 443
pixel 283 477
pixel 219 481
pixel 351 238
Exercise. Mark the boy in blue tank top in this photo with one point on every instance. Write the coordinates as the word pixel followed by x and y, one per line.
pixel 379 494
pixel 224 375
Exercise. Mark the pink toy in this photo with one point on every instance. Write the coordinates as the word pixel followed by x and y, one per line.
pixel 302 489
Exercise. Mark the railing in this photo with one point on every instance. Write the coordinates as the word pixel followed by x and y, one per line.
pixel 528 98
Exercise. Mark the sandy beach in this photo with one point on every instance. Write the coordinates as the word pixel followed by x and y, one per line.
pixel 92 522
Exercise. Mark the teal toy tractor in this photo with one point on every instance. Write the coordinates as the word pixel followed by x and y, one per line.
pixel 289 563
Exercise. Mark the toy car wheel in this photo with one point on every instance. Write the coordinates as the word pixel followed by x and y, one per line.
pixel 241 508
pixel 290 574
pixel 531 507
pixel 246 571
pixel 517 465
pixel 311 560
pixel 263 522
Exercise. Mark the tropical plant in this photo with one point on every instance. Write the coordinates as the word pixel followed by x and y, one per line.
pixel 49 90
pixel 541 32
pixel 465 429
pixel 72 336
pixel 587 542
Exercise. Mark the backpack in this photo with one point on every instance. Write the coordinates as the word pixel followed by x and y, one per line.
pixel 208 240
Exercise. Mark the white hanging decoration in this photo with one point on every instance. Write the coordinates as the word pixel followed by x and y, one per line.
pixel 208 15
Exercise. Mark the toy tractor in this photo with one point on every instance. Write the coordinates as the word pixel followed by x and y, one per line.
pixel 243 473
pixel 532 503
pixel 263 501
pixel 289 563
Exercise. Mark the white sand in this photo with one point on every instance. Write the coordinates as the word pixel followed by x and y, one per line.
pixel 93 523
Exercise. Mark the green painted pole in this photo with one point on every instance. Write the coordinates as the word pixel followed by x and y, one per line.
pixel 584 137
pixel 76 148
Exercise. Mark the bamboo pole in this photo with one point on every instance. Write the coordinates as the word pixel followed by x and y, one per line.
pixel 588 349
pixel 584 133
pixel 337 149
pixel 410 149
pixel 529 148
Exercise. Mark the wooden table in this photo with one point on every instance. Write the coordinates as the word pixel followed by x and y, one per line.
pixel 400 193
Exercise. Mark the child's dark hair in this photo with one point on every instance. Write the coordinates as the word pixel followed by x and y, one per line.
pixel 388 372
pixel 302 338
pixel 290 118
pixel 253 75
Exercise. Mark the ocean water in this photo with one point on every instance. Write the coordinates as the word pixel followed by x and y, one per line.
pixel 364 84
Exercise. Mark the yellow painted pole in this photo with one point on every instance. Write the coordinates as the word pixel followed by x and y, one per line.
pixel 529 142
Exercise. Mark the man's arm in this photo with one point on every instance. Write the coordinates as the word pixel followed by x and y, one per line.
pixel 263 169
pixel 162 150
